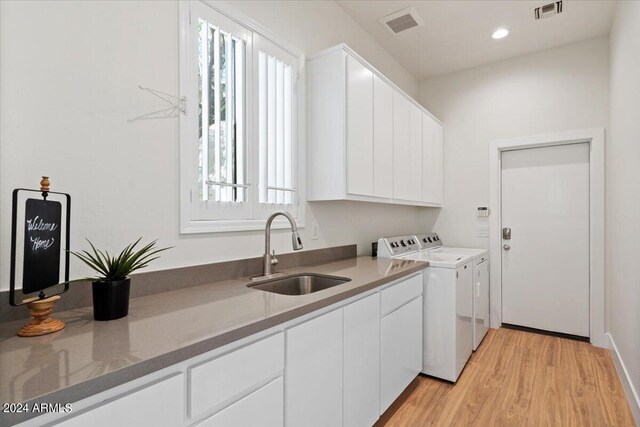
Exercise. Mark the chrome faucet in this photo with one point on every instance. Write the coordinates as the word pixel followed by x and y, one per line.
pixel 269 259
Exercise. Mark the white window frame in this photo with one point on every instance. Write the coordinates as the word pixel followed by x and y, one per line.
pixel 188 125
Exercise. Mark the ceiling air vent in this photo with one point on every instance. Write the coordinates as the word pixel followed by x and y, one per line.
pixel 548 10
pixel 402 20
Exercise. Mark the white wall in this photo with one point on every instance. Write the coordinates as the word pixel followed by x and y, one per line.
pixel 559 89
pixel 69 73
pixel 623 190
pixel 317 25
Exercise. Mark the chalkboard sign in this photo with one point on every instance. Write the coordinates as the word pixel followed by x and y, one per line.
pixel 40 224
pixel 41 268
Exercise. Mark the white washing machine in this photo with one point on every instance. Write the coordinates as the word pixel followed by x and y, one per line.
pixel 448 302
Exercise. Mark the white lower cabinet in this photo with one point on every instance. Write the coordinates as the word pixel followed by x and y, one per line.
pixel 214 383
pixel 264 407
pixel 401 350
pixel 159 404
pixel 313 373
pixel 362 362
pixel 341 368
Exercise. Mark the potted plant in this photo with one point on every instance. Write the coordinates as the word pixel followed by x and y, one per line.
pixel 111 286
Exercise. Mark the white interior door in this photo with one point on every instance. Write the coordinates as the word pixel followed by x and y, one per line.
pixel 545 263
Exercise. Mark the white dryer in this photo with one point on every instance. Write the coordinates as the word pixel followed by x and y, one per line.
pixel 480 282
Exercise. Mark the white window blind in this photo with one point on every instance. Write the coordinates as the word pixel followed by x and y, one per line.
pixel 221 82
pixel 275 117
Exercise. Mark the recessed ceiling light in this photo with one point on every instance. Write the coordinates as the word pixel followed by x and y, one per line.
pixel 500 33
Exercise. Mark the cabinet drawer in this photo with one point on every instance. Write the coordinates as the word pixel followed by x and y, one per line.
pixel 213 382
pixel 264 407
pixel 159 404
pixel 397 295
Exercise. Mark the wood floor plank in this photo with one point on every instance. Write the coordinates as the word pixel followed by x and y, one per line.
pixel 519 378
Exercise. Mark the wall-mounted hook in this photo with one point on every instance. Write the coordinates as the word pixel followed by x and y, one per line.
pixel 177 106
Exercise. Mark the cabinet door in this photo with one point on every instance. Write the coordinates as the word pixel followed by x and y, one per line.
pixel 428 159
pixel 481 303
pixel 359 128
pixel 160 404
pixel 362 362
pixel 314 372
pixel 415 151
pixel 438 162
pixel 401 350
pixel 264 407
pixel 382 139
pixel 401 147
pixel 464 315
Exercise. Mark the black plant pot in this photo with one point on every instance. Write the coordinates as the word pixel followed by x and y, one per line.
pixel 111 299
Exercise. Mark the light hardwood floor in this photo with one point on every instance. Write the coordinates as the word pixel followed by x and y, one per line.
pixel 520 379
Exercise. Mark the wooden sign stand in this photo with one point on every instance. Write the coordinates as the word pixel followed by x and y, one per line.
pixel 42 323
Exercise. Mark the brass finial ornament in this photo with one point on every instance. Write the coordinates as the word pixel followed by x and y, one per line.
pixel 44 184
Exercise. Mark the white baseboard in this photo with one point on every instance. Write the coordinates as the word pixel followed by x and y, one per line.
pixel 627 384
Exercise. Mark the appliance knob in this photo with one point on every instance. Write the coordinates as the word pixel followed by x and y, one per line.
pixel 429 238
pixel 403 243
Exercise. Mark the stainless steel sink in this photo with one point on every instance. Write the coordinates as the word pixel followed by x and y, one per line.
pixel 299 284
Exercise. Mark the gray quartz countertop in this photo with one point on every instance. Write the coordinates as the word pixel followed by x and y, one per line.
pixel 88 357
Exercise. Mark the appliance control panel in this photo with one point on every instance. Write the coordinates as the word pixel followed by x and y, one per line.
pixel 428 240
pixel 389 247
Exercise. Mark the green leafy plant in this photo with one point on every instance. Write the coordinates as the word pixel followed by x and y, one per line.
pixel 113 268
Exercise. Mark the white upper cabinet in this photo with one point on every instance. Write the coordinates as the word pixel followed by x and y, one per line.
pixel 415 150
pixel 382 138
pixel 401 147
pixel 366 136
pixel 359 128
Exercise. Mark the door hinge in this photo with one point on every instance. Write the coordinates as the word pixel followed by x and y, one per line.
pixel 190 196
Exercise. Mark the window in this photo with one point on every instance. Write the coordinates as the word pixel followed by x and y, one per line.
pixel 240 154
